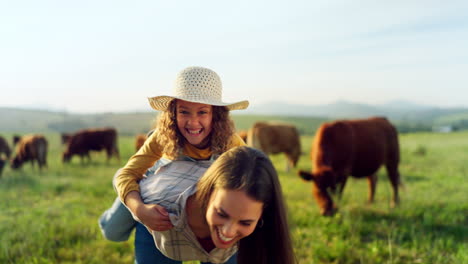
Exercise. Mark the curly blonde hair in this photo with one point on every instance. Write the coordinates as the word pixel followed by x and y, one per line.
pixel 172 141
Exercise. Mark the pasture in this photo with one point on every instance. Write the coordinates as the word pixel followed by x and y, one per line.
pixel 51 216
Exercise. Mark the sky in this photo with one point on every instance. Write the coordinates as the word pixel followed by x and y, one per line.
pixel 111 55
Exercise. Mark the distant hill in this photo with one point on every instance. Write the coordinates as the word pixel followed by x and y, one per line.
pixel 397 111
pixel 339 109
pixel 35 121
pixel 406 115
pixel 28 121
pixel 342 109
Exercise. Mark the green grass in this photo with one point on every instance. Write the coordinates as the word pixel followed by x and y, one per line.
pixel 51 216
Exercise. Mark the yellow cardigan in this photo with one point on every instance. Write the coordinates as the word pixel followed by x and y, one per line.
pixel 147 155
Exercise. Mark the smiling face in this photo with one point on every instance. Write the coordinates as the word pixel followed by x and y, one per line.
pixel 231 215
pixel 194 122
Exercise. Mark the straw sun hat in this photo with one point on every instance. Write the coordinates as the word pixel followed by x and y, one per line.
pixel 196 85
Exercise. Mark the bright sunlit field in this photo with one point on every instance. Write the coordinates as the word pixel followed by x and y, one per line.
pixel 51 216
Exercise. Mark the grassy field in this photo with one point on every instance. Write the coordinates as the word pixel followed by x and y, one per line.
pixel 51 216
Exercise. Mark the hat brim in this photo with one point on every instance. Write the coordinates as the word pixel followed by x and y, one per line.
pixel 161 103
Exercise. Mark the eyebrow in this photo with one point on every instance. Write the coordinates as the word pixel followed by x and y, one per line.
pixel 242 220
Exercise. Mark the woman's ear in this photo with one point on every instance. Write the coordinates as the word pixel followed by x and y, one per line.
pixel 260 223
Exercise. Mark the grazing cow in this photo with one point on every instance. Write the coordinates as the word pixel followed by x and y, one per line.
pixel 139 141
pixel 4 148
pixel 65 137
pixel 30 148
pixel 2 164
pixel 243 134
pixel 84 141
pixel 353 147
pixel 141 138
pixel 275 137
pixel 16 139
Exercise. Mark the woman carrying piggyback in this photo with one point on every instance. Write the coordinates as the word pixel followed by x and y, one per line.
pixel 194 124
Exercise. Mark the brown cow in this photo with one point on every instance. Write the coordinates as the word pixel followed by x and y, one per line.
pixel 30 148
pixel 4 148
pixel 243 134
pixel 354 147
pixel 84 141
pixel 141 138
pixel 2 164
pixel 275 137
pixel 139 141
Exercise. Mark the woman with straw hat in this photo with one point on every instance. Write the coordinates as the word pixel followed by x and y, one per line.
pixel 194 124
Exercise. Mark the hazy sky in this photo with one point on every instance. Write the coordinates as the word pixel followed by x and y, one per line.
pixel 94 56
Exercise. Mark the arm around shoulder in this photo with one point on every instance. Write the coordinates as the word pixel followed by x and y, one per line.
pixel 127 179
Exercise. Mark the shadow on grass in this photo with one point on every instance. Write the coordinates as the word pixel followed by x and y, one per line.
pixel 413 178
pixel 405 178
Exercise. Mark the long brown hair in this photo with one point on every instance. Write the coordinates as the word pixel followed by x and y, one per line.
pixel 250 170
pixel 172 141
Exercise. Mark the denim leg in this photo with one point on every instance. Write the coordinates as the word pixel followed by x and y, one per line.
pixel 117 222
pixel 146 251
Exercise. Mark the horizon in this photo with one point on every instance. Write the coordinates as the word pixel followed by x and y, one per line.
pixel 109 56
pixel 256 109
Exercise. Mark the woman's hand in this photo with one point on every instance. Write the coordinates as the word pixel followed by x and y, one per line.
pixel 153 216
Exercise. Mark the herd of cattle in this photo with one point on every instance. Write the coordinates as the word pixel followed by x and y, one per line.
pixel 33 148
pixel 340 149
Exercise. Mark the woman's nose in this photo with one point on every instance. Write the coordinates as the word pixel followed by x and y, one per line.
pixel 229 229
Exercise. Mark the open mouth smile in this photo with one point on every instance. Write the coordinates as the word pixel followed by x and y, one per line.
pixel 194 132
pixel 223 239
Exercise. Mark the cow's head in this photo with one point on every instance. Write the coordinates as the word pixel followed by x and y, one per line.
pixel 323 183
pixel 65 138
pixel 16 163
pixel 66 156
pixel 16 139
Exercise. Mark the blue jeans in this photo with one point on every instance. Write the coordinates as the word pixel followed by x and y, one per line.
pixel 146 251
pixel 117 222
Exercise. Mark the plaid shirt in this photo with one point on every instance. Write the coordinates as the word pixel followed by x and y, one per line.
pixel 169 184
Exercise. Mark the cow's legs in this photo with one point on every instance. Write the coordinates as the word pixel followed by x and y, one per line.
pixel 394 177
pixel 372 181
pixel 112 152
pixel 108 155
pixel 292 159
pixel 43 161
pixel 84 156
pixel 341 187
pixel 39 164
